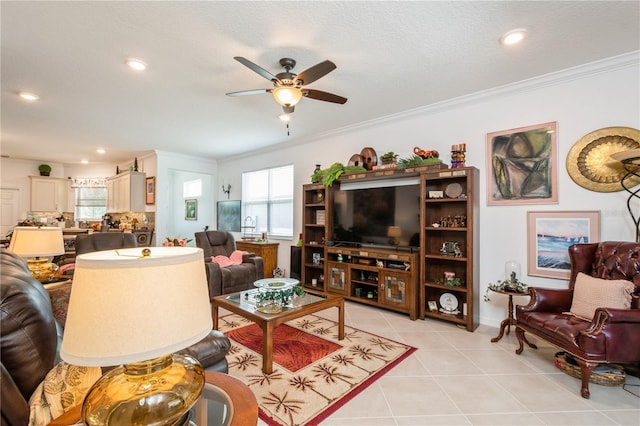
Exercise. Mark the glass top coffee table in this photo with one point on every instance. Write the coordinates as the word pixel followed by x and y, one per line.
pixel 244 304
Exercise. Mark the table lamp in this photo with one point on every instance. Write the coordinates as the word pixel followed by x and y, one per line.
pixel 37 245
pixel 393 232
pixel 135 308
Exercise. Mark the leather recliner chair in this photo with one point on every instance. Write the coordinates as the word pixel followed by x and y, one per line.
pixel 612 336
pixel 30 339
pixel 227 279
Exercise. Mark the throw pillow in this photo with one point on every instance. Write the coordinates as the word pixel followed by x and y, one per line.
pixel 590 293
pixel 63 388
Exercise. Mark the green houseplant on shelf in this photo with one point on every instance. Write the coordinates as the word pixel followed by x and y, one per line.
pixel 329 175
pixel 44 169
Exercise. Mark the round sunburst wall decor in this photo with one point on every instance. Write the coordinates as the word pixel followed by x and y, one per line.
pixel 589 160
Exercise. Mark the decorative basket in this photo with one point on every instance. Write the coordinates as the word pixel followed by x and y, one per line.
pixel 606 374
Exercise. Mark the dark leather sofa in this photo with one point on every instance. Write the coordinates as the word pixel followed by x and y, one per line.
pixel 612 336
pixel 30 338
pixel 229 279
pixel 99 241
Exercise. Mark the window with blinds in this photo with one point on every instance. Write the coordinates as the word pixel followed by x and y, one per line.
pixel 91 203
pixel 267 198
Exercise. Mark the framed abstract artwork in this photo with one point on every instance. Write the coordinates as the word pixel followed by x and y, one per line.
pixel 549 235
pixel 229 216
pixel 522 165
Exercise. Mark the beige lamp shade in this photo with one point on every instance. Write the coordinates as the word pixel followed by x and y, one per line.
pixel 32 241
pixel 394 231
pixel 127 308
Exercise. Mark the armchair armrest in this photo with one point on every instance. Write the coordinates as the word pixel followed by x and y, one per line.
pixel 616 316
pixel 256 260
pixel 214 278
pixel 621 330
pixel 548 300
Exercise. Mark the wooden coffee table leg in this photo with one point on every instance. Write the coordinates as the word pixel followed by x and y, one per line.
pixel 341 320
pixel 214 315
pixel 267 348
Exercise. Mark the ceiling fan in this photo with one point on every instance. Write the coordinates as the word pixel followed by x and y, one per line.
pixel 289 88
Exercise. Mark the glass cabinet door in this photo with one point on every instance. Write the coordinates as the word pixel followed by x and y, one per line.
pixel 337 277
pixel 395 289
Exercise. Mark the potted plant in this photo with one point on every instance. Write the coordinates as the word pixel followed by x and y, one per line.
pixel 44 169
pixel 389 158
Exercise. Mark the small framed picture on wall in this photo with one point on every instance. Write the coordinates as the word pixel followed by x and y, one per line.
pixel 151 190
pixel 191 209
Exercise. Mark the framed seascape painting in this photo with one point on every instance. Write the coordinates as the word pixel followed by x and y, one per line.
pixel 549 235
pixel 522 165
pixel 191 209
pixel 229 216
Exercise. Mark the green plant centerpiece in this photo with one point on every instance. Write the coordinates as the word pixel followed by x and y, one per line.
pixel 44 169
pixel 329 175
pixel 512 284
pixel 271 300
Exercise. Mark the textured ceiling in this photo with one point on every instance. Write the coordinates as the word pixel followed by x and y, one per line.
pixel 391 57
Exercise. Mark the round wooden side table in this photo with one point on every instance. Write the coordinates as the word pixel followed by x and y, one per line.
pixel 510 320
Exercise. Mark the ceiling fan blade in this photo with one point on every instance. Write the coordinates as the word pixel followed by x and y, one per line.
pixel 249 92
pixel 310 75
pixel 256 68
pixel 323 96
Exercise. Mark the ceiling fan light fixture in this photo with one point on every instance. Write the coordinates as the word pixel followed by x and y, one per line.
pixel 284 117
pixel 287 96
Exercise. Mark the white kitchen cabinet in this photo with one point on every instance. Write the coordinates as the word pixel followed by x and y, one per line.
pixel 126 192
pixel 48 194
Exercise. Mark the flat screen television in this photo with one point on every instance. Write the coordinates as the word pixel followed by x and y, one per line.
pixel 363 215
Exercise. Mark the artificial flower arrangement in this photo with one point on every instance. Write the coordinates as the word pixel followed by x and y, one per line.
pixel 176 242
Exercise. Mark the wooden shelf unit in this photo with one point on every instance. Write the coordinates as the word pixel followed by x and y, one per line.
pixel 379 277
pixel 316 230
pixel 449 223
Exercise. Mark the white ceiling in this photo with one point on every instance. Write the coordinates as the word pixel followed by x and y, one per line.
pixel 391 57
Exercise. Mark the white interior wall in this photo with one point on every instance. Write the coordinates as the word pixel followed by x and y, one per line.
pixel 580 100
pixel 172 170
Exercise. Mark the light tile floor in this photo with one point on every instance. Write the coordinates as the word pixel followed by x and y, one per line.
pixel 461 378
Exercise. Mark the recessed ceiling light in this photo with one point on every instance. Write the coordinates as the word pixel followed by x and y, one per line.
pixel 28 96
pixel 513 37
pixel 84 162
pixel 136 64
pixel 100 151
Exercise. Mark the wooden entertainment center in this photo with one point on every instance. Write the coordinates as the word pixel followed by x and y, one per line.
pixel 437 280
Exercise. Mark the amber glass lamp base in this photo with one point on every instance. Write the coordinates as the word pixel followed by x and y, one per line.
pixel 41 269
pixel 157 392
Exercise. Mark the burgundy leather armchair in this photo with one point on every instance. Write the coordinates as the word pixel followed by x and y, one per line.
pixel 30 339
pixel 228 279
pixel 612 336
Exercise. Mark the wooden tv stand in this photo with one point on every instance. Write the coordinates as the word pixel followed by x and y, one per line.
pixel 381 277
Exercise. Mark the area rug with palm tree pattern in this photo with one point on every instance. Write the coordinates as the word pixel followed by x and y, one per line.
pixel 314 373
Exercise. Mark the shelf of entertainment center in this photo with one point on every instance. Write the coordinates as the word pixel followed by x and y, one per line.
pixel 378 277
pixel 450 201
pixel 455 318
